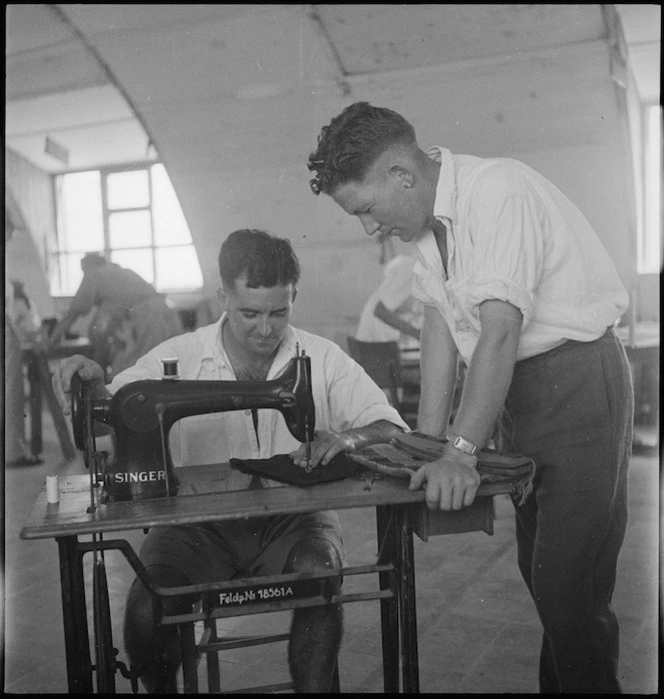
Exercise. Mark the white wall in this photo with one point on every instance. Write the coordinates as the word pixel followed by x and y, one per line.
pixel 27 254
pixel 234 100
pixel 555 110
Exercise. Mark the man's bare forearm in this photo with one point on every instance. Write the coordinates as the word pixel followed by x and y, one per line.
pixel 485 387
pixel 375 433
pixel 438 369
pixel 490 372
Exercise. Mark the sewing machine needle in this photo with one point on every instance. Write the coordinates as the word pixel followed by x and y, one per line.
pixel 307 468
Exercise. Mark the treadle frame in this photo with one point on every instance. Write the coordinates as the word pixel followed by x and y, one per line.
pixel 396 510
pixel 210 644
pixel 209 612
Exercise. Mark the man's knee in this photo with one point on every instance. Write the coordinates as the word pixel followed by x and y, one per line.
pixel 315 554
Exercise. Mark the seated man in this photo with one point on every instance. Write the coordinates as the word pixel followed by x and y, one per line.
pixel 253 340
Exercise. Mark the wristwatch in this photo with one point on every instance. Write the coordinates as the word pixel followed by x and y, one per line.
pixel 464 445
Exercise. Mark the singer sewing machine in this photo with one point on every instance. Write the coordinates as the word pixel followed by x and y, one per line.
pixel 142 413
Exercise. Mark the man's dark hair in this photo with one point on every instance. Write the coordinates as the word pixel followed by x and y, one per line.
pixel 265 259
pixel 352 142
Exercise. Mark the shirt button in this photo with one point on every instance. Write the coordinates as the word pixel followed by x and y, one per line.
pixel 247 412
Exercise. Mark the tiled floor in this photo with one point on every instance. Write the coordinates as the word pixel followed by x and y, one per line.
pixel 477 628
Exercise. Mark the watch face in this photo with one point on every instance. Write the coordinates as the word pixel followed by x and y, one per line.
pixel 464 445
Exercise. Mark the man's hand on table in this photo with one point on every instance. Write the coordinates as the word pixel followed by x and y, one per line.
pixel 326 446
pixel 451 481
pixel 88 371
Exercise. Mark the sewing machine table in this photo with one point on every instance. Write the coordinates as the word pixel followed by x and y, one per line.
pixel 201 500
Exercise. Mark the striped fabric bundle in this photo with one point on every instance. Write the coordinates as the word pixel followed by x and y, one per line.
pixel 500 472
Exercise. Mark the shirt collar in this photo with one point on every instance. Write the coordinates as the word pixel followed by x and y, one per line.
pixel 285 353
pixel 445 203
pixel 213 347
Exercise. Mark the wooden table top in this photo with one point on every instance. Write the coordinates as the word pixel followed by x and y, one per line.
pixel 201 499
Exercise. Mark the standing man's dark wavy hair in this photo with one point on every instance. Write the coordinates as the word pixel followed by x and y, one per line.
pixel 352 142
pixel 265 259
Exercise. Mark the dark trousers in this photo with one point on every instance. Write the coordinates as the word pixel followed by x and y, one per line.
pixel 571 410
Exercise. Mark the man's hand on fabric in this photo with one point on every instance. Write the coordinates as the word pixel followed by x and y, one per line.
pixel 451 481
pixel 326 446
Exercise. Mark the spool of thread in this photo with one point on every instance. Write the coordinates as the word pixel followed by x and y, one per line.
pixel 52 489
pixel 170 370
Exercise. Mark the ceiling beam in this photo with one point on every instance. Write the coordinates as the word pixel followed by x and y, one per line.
pixel 340 74
pixel 111 76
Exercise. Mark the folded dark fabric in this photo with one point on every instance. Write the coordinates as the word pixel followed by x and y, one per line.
pixel 282 469
pixel 404 455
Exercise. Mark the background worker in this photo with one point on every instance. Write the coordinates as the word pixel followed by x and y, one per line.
pixel 513 278
pixel 23 312
pixel 131 317
pixel 392 313
pixel 253 341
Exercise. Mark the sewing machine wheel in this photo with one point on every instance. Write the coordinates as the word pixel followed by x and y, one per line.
pixel 81 418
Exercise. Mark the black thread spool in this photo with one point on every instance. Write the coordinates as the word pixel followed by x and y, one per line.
pixel 170 370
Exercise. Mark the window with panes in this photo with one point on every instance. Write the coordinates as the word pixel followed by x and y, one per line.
pixel 133 216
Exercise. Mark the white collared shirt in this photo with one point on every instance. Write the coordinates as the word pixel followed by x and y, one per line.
pixel 513 236
pixel 344 398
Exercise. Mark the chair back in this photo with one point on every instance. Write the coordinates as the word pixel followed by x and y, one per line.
pixel 381 360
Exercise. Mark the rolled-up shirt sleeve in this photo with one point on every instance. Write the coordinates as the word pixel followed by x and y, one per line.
pixel 423 281
pixel 508 242
pixel 353 399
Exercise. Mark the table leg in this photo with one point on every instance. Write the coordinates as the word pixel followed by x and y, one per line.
pixel 74 617
pixel 407 605
pixel 34 382
pixel 389 609
pixel 68 448
pixel 189 664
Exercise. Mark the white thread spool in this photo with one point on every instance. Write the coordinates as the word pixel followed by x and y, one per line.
pixel 52 489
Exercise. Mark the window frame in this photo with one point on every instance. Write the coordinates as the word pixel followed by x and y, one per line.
pixel 107 212
pixel 646 233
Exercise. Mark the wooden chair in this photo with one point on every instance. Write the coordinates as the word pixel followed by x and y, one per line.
pixel 210 644
pixel 381 360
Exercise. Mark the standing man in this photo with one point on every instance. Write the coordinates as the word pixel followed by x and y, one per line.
pixel 516 281
pixel 253 341
pixel 130 313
